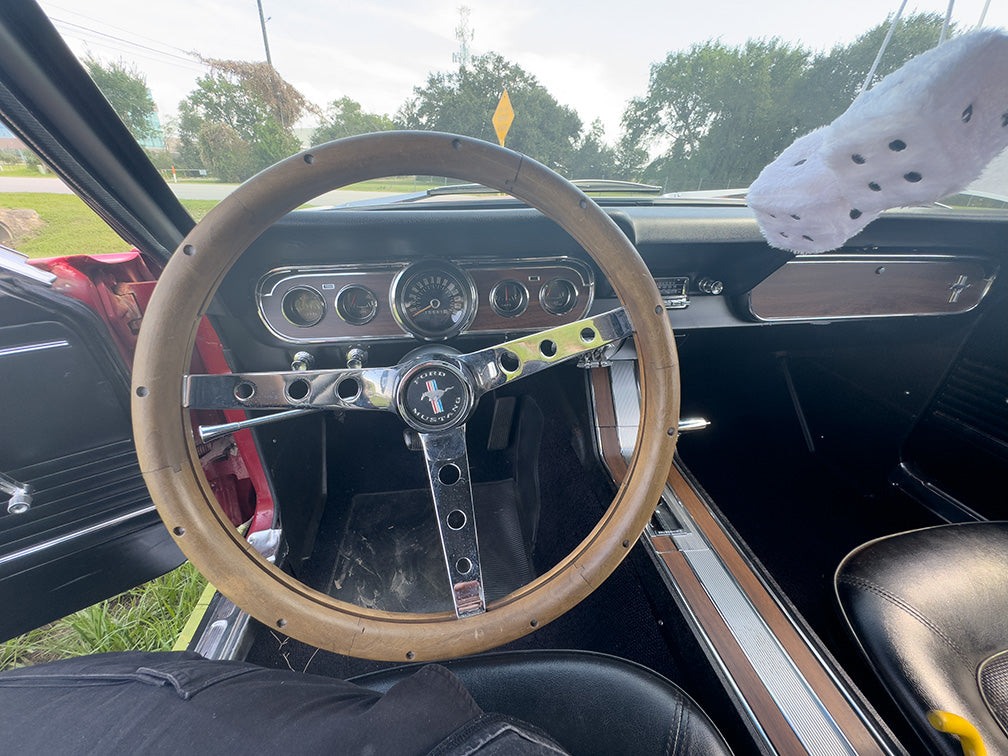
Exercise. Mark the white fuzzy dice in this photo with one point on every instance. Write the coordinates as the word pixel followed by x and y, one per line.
pixel 924 132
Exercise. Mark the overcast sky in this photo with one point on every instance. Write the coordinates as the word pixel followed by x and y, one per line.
pixel 591 55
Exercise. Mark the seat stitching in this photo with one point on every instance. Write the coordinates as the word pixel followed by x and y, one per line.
pixel 672 741
pixel 859 582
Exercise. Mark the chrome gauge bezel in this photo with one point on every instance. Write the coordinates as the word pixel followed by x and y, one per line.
pixel 409 275
pixel 295 291
pixel 523 299
pixel 572 299
pixel 356 321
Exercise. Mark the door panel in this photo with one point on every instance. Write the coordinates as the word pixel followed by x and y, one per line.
pixel 91 530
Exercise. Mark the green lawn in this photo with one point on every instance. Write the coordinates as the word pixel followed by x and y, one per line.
pixel 71 228
pixel 147 618
pixel 22 171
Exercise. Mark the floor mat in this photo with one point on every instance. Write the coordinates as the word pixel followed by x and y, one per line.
pixel 391 558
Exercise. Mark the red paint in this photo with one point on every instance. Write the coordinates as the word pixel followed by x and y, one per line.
pixel 118 287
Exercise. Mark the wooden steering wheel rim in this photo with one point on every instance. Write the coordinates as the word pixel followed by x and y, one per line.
pixel 172 470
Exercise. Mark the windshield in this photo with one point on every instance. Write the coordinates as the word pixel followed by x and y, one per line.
pixel 692 98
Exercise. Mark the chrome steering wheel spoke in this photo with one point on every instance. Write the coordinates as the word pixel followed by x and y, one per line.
pixel 498 365
pixel 451 488
pixel 367 389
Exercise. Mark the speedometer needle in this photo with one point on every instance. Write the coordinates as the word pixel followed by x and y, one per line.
pixel 423 310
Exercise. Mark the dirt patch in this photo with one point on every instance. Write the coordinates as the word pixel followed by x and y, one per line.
pixel 18 224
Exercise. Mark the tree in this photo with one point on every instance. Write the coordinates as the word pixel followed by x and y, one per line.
pixel 715 115
pixel 239 120
pixel 593 158
pixel 835 78
pixel 345 117
pixel 125 88
pixel 715 112
pixel 464 101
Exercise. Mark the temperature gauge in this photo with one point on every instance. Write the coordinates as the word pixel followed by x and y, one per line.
pixel 509 299
pixel 356 304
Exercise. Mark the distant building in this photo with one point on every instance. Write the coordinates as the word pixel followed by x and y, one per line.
pixel 156 141
pixel 8 141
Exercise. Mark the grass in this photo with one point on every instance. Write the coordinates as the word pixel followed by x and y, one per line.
pixel 146 618
pixel 72 228
pixel 22 171
pixel 399 184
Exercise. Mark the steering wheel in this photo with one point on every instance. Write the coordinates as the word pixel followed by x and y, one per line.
pixel 433 394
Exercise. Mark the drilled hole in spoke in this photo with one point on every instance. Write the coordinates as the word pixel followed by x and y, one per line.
pixel 450 474
pixel 298 389
pixel 587 335
pixel 547 348
pixel 456 519
pixel 348 389
pixel 509 362
pixel 463 566
pixel 244 391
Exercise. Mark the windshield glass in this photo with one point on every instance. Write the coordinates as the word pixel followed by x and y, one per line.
pixel 691 98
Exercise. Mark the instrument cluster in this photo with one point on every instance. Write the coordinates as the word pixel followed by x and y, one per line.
pixel 430 299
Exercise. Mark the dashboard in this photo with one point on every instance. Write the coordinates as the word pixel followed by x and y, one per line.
pixel 429 299
pixel 390 279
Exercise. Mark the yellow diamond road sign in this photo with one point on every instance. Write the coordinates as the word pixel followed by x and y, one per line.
pixel 503 117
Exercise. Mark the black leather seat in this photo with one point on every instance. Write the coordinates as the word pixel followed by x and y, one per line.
pixel 589 703
pixel 930 610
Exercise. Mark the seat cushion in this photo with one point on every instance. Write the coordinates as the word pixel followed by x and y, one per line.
pixel 589 703
pixel 930 611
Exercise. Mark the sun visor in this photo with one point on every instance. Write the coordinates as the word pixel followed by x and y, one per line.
pixel 924 132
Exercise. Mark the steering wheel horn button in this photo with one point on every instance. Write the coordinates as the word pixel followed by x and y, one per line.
pixel 434 396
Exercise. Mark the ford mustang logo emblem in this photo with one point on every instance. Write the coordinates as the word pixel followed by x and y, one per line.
pixel 434 397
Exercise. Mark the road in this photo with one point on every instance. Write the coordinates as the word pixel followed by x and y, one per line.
pixel 44 185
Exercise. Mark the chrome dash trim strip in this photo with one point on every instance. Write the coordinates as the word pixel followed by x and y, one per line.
pixel 53 542
pixel 39 347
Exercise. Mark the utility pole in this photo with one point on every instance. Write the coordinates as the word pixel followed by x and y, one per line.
pixel 262 23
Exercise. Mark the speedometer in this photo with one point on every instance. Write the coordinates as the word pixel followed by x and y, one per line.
pixel 433 299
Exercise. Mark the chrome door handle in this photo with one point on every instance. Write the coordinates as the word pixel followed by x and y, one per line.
pixel 20 495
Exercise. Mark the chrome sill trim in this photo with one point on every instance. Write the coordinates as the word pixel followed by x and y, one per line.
pixel 15 262
pixel 52 543
pixel 798 702
pixel 840 684
pixel 707 645
pixel 39 347
pixel 225 635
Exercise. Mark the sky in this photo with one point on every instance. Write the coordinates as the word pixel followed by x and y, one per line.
pixel 592 56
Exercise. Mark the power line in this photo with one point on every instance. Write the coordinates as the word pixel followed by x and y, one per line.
pixel 117 28
pixel 85 29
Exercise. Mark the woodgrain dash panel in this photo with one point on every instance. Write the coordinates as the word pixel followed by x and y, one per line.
pixel 832 287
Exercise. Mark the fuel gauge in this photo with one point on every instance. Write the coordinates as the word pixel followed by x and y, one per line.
pixel 356 304
pixel 509 298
